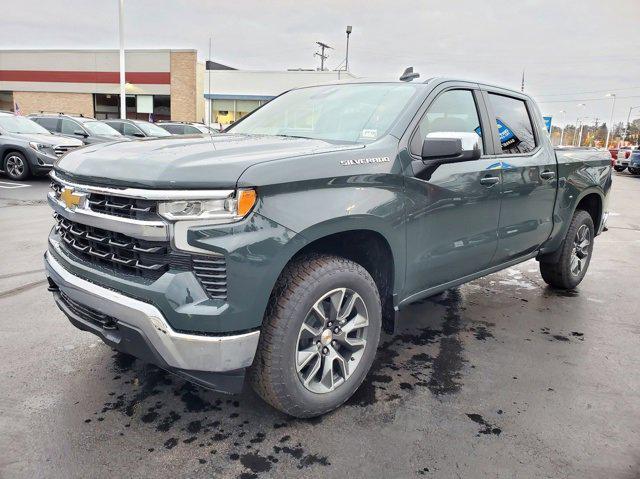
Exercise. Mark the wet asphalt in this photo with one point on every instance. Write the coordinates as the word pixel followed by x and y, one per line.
pixel 502 377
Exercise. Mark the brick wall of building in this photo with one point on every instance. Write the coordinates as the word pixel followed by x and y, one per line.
pixel 70 103
pixel 184 86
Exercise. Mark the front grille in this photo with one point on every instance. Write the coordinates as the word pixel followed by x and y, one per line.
pixel 121 206
pixel 123 254
pixel 62 149
pixel 114 250
pixel 89 314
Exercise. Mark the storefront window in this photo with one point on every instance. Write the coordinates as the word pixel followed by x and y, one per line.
pixel 6 100
pixel 226 112
pixel 108 106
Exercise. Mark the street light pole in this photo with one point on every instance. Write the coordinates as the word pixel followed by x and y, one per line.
pixel 346 61
pixel 613 106
pixel 123 94
pixel 563 113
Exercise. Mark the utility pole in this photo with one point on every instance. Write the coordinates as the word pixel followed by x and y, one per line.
pixel 323 57
pixel 123 93
pixel 595 130
pixel 613 107
pixel 522 86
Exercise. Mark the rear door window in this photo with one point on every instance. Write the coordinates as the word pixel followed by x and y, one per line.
pixel 515 128
pixel 128 129
pixel 191 130
pixel 50 124
pixel 174 129
pixel 116 125
pixel 69 127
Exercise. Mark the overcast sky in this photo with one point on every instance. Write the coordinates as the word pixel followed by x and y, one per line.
pixel 572 51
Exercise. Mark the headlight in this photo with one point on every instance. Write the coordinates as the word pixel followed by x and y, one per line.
pixel 37 146
pixel 232 208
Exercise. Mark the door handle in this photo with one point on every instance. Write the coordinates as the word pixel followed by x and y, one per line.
pixel 489 180
pixel 548 175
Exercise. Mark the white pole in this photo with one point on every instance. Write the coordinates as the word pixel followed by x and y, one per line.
pixel 564 113
pixel 613 106
pixel 123 94
pixel 209 101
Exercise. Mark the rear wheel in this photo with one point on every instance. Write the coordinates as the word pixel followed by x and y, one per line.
pixel 319 336
pixel 572 263
pixel 15 166
pixel 634 171
pixel 619 169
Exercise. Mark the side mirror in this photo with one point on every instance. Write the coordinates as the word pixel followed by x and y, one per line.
pixel 451 147
pixel 80 133
pixel 139 135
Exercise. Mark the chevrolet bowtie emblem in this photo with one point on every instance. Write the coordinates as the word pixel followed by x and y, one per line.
pixel 71 199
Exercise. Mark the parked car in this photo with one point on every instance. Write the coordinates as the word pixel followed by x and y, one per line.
pixel 87 130
pixel 620 158
pixel 183 128
pixel 634 161
pixel 282 248
pixel 28 149
pixel 137 128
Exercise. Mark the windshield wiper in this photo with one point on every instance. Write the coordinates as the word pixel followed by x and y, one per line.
pixel 296 136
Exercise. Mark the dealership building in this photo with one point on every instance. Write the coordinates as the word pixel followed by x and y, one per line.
pixel 164 83
pixel 160 84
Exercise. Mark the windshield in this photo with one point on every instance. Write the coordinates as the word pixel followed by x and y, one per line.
pixel 20 124
pixel 343 113
pixel 99 128
pixel 152 130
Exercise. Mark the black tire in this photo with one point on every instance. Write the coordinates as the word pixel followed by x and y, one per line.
pixel 634 171
pixel 561 273
pixel 274 374
pixel 16 166
pixel 619 169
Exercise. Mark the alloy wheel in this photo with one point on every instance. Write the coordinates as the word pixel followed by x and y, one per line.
pixel 332 340
pixel 580 252
pixel 15 166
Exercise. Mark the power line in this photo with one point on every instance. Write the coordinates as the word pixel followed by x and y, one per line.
pixel 586 99
pixel 591 91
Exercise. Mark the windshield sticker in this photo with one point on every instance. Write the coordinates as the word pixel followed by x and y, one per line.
pixel 372 134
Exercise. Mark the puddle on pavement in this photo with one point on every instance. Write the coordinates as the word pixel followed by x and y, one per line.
pixel 426 356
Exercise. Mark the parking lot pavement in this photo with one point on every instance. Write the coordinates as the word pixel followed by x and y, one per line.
pixel 502 377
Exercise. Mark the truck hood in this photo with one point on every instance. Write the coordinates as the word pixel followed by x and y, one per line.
pixel 184 162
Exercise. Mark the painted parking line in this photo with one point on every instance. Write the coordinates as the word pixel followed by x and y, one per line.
pixel 10 186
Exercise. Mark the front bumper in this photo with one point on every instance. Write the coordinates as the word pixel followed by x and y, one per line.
pixel 140 329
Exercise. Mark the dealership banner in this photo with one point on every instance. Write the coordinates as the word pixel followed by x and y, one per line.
pixel 547 122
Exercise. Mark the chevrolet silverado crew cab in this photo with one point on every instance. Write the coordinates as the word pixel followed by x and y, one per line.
pixel 281 248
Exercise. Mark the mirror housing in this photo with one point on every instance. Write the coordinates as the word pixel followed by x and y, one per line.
pixel 139 135
pixel 451 147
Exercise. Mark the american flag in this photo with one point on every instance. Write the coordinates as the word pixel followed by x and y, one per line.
pixel 16 108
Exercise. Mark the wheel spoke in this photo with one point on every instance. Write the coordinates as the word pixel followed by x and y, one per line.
pixel 358 322
pixel 326 377
pixel 313 372
pixel 336 301
pixel 348 307
pixel 310 330
pixel 306 355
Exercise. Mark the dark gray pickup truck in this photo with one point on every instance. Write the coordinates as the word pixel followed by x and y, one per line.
pixel 282 247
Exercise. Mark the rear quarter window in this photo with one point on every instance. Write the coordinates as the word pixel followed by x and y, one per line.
pixel 50 124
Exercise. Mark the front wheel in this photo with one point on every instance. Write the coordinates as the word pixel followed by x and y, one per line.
pixel 634 171
pixel 572 263
pixel 619 169
pixel 15 166
pixel 319 336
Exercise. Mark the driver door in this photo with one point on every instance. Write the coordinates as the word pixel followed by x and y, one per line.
pixel 452 209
